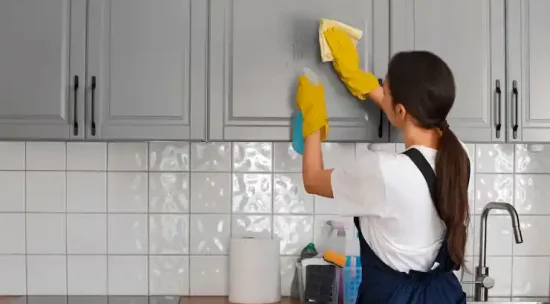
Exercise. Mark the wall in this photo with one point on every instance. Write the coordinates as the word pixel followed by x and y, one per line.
pixel 139 218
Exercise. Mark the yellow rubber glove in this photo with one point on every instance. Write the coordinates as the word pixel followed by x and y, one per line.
pixel 346 64
pixel 310 99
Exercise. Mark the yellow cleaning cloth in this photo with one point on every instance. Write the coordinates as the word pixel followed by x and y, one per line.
pixel 325 24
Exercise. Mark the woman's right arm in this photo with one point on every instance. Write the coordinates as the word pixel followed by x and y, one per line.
pixel 361 84
pixel 376 96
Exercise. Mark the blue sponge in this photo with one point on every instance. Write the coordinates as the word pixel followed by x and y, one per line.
pixel 297 138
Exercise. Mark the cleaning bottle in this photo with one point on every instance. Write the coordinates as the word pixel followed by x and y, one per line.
pixel 298 119
pixel 308 252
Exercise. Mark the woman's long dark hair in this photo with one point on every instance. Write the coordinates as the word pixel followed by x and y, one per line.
pixel 424 84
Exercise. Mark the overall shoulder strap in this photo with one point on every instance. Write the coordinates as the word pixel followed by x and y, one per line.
pixel 429 174
pixel 424 166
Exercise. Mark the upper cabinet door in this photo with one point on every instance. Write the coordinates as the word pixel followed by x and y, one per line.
pixel 528 60
pixel 41 56
pixel 147 69
pixel 259 48
pixel 470 36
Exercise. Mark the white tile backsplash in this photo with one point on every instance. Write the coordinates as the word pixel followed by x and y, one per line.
pixel 210 233
pixel 46 233
pixel 168 275
pixel 534 230
pixel 46 156
pixel 12 187
pixel 46 191
pixel 89 156
pixel 13 278
pixel 168 192
pixel 252 193
pixel 12 233
pixel 492 188
pixel 285 159
pixel 289 195
pixel 336 154
pixel 168 234
pixel 209 275
pixel 127 234
pixel 494 158
pixel 127 192
pixel 127 156
pixel 294 232
pixel 13 155
pixel 169 156
pixel 86 192
pixel 47 274
pixel 252 157
pixel 137 218
pixel 128 275
pixel 211 157
pixel 532 158
pixel 86 233
pixel 531 276
pixel 243 225
pixel 87 275
pixel 532 194
pixel 211 192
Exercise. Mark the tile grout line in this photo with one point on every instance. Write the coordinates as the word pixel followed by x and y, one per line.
pixel 148 218
pixel 25 208
pixel 107 276
pixel 231 213
pixel 66 232
pixel 514 205
pixel 474 174
pixel 272 161
pixel 472 207
pixel 189 193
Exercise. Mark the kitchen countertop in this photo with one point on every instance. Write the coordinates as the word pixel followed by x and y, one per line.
pixel 122 300
pixel 191 300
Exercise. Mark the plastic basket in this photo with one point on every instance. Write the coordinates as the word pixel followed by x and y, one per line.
pixel 349 284
pixel 301 283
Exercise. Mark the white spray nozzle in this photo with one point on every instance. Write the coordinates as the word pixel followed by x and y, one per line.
pixel 311 76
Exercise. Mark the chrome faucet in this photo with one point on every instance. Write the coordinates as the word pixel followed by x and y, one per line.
pixel 482 280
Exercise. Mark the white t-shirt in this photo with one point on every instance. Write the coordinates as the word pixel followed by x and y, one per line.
pixel 398 218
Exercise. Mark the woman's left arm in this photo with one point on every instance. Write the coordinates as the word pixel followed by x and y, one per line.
pixel 316 179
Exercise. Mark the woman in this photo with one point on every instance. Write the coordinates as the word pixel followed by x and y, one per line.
pixel 412 224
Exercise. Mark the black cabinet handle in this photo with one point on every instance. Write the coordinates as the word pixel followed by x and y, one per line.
pixel 381 118
pixel 92 111
pixel 498 108
pixel 515 109
pixel 75 106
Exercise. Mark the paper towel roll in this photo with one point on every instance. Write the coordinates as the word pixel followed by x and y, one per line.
pixel 254 271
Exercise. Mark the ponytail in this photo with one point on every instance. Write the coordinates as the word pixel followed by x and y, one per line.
pixel 424 85
pixel 451 167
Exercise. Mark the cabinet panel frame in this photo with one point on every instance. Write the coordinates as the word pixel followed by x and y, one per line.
pixel 403 38
pixel 222 126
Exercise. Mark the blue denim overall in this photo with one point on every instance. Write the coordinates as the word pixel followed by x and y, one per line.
pixel 383 284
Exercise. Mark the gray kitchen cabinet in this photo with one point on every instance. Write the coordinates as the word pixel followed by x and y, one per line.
pixel 42 54
pixel 528 63
pixel 470 36
pixel 146 69
pixel 257 50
